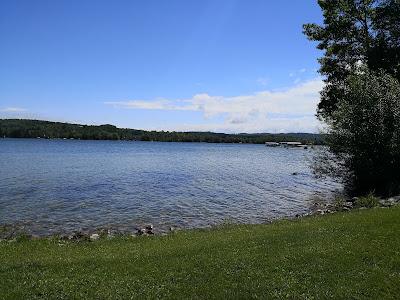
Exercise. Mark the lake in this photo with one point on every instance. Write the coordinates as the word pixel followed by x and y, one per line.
pixel 56 186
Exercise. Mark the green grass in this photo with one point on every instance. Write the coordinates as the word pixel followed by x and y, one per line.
pixel 353 255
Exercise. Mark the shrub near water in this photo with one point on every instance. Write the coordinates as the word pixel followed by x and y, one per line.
pixel 364 135
pixel 360 100
pixel 368 201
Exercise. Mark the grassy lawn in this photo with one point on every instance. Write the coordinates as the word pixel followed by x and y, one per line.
pixel 345 255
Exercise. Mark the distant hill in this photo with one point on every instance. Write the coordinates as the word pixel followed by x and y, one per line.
pixel 21 128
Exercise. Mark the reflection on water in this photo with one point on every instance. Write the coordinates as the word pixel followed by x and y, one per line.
pixel 63 185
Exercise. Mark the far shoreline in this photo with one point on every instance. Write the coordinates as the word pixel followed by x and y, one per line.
pixel 24 128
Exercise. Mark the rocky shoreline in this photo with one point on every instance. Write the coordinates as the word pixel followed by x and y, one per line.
pixel 13 233
pixel 10 233
pixel 345 204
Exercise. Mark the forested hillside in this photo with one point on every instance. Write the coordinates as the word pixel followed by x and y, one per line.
pixel 15 128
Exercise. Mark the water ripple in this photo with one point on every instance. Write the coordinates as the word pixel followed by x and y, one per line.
pixel 56 185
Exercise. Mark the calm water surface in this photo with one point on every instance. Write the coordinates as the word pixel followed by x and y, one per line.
pixel 54 186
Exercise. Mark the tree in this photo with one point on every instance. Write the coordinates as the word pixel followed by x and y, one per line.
pixel 364 134
pixel 354 33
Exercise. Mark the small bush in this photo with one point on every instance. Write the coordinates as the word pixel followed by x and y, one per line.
pixel 368 201
pixel 364 135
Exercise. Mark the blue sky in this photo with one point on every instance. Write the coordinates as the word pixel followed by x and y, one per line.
pixel 231 66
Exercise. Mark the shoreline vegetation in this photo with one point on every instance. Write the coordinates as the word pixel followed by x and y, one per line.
pixel 350 254
pixel 23 128
pixel 14 232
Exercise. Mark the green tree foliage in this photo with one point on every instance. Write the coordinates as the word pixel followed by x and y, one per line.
pixel 364 134
pixel 14 128
pixel 354 33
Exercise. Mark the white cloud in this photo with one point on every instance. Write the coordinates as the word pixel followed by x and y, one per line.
pixel 258 125
pixel 291 109
pixel 13 109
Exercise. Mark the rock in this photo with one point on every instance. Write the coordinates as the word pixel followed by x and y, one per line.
pixel 94 237
pixel 385 203
pixel 354 199
pixel 110 234
pixel 149 229
pixel 390 201
pixel 77 236
pixel 348 204
pixel 320 212
pixel 346 209
pixel 394 200
pixel 141 231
